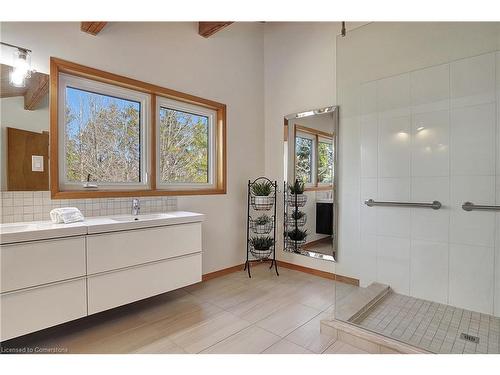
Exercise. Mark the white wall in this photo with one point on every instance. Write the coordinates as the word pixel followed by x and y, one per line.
pixel 394 78
pixel 13 115
pixel 228 68
pixel 299 75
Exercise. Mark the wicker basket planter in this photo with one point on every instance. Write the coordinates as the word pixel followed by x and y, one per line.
pixel 261 253
pixel 262 203
pixel 300 222
pixel 292 245
pixel 261 228
pixel 298 200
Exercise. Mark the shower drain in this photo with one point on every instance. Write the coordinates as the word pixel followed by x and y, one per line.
pixel 467 337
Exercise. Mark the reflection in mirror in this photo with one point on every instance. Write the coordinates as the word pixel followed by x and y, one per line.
pixel 24 125
pixel 310 211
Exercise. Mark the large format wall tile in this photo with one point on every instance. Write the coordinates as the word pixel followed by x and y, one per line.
pixel 430 89
pixel 426 224
pixel 368 215
pixel 369 145
pixel 393 221
pixel 472 277
pixel 394 147
pixel 473 140
pixel 393 263
pixel 434 134
pixel 430 144
pixel 429 270
pixel 472 80
pixel 475 227
pixel 393 96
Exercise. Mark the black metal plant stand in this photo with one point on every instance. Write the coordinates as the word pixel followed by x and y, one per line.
pixel 261 204
pixel 293 203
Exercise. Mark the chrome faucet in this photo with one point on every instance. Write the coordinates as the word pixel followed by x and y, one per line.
pixel 136 206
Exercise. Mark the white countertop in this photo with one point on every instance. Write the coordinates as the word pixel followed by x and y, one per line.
pixel 40 230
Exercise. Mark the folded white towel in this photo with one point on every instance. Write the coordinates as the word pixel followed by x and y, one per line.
pixel 66 215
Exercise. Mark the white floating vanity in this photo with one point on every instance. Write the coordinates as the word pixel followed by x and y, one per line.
pixel 55 273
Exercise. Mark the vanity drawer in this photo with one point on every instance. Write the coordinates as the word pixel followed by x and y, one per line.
pixel 118 288
pixel 27 264
pixel 111 251
pixel 30 310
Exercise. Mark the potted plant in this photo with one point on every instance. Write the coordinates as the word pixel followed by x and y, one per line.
pixel 299 217
pixel 298 235
pixel 297 188
pixel 297 198
pixel 261 246
pixel 261 199
pixel 263 224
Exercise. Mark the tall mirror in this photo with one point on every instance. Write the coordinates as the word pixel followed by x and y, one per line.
pixel 310 155
pixel 24 137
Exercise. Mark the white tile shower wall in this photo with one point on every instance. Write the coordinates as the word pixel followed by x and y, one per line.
pixel 35 205
pixel 433 134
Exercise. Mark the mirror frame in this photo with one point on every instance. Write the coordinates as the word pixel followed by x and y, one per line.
pixel 288 135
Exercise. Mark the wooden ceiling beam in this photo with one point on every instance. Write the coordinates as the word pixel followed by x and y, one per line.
pixel 92 28
pixel 38 87
pixel 207 29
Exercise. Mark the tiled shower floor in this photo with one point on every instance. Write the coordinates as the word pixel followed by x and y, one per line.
pixel 433 326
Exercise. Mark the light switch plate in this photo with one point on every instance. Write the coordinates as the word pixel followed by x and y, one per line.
pixel 36 163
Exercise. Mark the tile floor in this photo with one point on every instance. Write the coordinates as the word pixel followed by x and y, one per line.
pixel 433 326
pixel 229 314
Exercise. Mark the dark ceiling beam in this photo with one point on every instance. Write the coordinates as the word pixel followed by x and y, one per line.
pixel 92 28
pixel 37 87
pixel 207 29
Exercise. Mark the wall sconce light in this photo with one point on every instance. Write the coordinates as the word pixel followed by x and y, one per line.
pixel 21 66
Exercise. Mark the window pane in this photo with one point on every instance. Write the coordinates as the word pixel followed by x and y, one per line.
pixel 102 137
pixel 303 159
pixel 183 153
pixel 325 162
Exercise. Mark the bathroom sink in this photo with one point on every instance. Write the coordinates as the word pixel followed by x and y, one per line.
pixel 130 218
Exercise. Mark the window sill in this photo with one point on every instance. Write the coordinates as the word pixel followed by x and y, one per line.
pixel 79 194
pixel 318 188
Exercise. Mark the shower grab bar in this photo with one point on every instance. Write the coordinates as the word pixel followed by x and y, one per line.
pixel 436 205
pixel 469 206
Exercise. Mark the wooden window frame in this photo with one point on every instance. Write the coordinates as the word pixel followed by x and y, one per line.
pixel 58 66
pixel 316 134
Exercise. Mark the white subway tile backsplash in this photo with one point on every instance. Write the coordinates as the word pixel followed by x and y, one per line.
pixel 29 206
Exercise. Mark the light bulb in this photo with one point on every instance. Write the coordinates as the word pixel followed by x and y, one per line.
pixel 17 78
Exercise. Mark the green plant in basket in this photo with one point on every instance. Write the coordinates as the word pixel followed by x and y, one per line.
pixel 262 243
pixel 262 189
pixel 297 215
pixel 297 234
pixel 297 188
pixel 262 220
